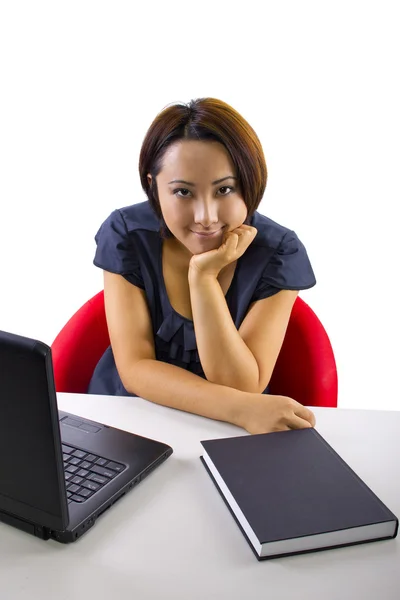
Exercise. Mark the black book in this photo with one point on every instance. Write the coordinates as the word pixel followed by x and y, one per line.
pixel 291 493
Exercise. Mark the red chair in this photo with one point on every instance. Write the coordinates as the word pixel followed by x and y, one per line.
pixel 305 369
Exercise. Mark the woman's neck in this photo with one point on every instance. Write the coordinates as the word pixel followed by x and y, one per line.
pixel 181 255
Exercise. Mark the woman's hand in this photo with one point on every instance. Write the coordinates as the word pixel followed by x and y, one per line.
pixel 233 245
pixel 265 413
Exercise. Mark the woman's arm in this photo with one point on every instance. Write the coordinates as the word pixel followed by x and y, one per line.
pixel 243 359
pixel 131 336
pixel 172 386
pixel 225 358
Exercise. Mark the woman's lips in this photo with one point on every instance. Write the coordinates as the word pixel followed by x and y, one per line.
pixel 207 234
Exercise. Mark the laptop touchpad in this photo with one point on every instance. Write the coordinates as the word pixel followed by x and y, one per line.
pixel 81 424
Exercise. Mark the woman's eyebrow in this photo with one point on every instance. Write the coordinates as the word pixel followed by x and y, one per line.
pixel 194 185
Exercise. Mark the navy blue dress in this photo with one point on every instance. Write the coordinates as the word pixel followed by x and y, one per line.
pixel 129 243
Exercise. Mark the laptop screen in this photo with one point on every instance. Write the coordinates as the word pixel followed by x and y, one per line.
pixel 31 476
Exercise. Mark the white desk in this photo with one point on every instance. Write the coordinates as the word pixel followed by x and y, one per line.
pixel 173 538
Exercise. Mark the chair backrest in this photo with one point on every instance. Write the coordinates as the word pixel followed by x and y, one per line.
pixel 306 366
pixel 305 369
pixel 79 346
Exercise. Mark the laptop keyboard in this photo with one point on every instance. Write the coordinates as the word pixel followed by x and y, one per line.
pixel 86 473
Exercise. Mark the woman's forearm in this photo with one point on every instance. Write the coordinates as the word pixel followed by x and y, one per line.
pixel 172 386
pixel 224 356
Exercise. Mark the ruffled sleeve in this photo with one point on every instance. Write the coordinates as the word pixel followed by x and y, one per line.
pixel 116 250
pixel 288 269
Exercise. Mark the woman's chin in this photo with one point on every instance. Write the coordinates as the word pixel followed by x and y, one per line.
pixel 204 245
pixel 196 244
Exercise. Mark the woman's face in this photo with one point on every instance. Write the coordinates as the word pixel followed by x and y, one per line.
pixel 198 194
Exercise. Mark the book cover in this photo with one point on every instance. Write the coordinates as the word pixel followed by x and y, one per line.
pixel 290 493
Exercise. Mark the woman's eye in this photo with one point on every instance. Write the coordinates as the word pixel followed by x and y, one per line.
pixel 226 187
pixel 182 190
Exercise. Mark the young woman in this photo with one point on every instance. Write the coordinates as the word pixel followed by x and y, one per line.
pixel 198 285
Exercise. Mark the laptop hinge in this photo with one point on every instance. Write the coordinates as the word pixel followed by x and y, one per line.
pixel 36 530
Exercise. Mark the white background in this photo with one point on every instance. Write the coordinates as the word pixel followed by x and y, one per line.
pixel 318 81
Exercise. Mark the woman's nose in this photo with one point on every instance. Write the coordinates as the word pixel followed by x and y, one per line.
pixel 206 213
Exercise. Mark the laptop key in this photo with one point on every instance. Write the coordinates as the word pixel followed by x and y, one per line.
pixel 67 449
pixel 73 488
pixel 85 464
pixel 98 478
pixel 91 485
pixel 115 466
pixel 104 472
pixel 76 479
pixel 79 453
pixel 101 462
pixel 85 492
pixel 92 457
pixel 75 461
pixel 71 469
pixel 83 473
pixel 76 498
pixel 67 476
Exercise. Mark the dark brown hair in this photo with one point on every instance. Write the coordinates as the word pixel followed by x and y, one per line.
pixel 204 119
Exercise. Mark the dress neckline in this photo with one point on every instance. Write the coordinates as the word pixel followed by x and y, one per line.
pixel 164 288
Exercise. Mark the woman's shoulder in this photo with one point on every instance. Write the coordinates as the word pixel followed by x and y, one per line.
pixel 116 240
pixel 138 216
pixel 270 233
pixel 282 256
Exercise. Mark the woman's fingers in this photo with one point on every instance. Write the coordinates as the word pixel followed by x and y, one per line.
pixel 299 423
pixel 305 413
pixel 243 238
pixel 231 242
pixel 244 227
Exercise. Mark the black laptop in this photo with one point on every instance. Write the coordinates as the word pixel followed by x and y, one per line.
pixel 58 472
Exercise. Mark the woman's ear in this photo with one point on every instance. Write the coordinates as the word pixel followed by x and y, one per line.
pixel 149 179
